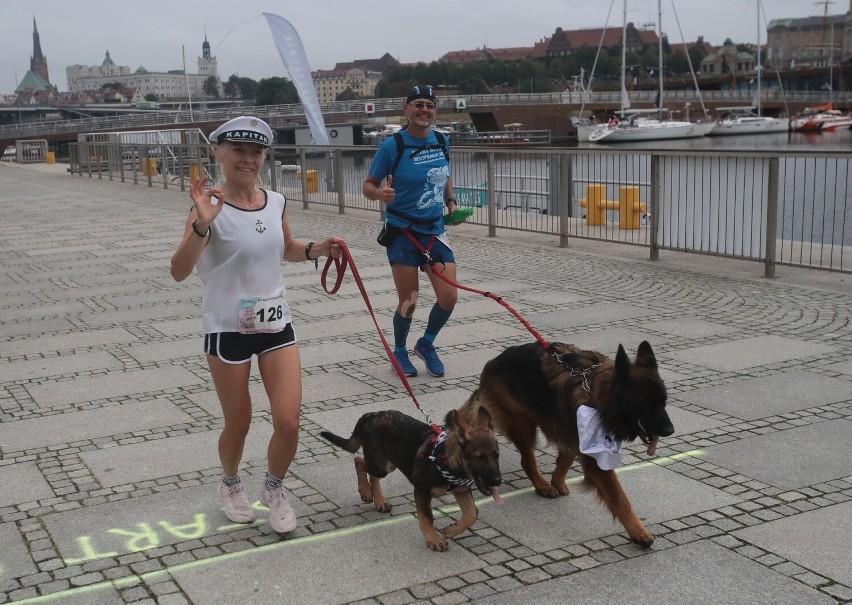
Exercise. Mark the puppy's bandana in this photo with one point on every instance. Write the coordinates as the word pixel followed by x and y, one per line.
pixel 595 440
pixel 439 459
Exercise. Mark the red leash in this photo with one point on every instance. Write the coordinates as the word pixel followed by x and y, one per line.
pixel 427 254
pixel 341 264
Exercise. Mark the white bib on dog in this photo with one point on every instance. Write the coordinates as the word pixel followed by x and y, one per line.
pixel 595 440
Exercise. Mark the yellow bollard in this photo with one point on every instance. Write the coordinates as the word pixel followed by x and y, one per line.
pixel 195 172
pixel 51 157
pixel 149 166
pixel 312 177
pixel 628 207
pixel 595 204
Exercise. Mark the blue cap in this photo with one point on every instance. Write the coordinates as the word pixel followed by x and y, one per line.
pixel 244 129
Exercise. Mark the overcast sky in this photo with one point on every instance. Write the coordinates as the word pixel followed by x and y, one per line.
pixel 151 33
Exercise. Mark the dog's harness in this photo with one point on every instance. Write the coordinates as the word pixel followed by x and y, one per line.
pixel 578 371
pixel 438 457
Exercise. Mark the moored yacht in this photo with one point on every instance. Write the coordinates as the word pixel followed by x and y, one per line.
pixel 632 126
pixel 637 128
pixel 743 120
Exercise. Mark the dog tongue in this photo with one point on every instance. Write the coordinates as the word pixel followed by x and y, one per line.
pixel 495 493
pixel 652 447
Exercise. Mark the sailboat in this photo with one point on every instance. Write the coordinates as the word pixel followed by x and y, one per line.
pixel 743 120
pixel 820 119
pixel 823 118
pixel 633 126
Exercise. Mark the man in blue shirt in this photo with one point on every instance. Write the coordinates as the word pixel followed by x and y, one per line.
pixel 415 187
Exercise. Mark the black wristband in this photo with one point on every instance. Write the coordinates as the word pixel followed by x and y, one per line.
pixel 451 199
pixel 308 255
pixel 197 232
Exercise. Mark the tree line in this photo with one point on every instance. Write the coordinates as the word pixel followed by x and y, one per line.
pixel 554 74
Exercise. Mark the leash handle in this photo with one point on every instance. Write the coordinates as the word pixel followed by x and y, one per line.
pixel 341 264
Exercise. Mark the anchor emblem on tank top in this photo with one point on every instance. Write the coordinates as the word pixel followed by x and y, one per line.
pixel 258 226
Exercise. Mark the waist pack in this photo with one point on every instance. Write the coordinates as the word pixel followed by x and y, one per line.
pixel 387 235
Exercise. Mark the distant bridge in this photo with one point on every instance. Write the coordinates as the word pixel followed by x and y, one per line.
pixel 549 111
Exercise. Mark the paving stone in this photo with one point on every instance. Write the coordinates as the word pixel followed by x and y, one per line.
pixel 689 568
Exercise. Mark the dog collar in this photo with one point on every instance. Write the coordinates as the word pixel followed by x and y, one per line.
pixel 438 457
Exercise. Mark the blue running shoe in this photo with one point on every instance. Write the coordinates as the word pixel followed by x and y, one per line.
pixel 425 350
pixel 405 363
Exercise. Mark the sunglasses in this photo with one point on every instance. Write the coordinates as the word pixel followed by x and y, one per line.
pixel 421 105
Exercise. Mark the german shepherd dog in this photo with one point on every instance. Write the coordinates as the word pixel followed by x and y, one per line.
pixel 529 386
pixel 463 455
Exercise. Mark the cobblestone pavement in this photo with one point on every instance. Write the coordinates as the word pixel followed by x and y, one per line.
pixel 109 422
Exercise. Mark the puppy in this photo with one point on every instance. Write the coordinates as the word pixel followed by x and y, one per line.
pixel 464 454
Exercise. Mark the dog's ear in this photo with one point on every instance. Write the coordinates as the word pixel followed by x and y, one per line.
pixel 645 356
pixel 454 420
pixel 483 418
pixel 622 363
pixel 451 420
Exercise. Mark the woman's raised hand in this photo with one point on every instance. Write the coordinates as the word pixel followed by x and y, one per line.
pixel 206 207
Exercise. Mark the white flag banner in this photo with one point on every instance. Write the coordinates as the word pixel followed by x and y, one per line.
pixel 293 55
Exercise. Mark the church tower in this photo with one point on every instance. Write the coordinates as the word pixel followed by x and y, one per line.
pixel 206 62
pixel 38 62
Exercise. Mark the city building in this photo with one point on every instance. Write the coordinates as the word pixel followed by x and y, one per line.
pixel 173 85
pixel 76 74
pixel 330 83
pixel 728 60
pixel 460 57
pixel 360 77
pixel 561 44
pixel 35 86
pixel 809 41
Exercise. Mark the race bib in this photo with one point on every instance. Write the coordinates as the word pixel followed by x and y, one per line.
pixel 262 314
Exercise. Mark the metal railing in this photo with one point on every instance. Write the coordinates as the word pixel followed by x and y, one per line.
pixel 789 208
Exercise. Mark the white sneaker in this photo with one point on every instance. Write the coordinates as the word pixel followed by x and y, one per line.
pixel 237 507
pixel 281 516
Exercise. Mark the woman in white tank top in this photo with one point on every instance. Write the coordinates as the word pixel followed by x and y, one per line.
pixel 235 237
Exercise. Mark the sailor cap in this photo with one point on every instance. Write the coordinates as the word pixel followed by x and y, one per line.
pixel 244 129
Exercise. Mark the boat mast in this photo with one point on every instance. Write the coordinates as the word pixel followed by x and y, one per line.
pixel 757 64
pixel 625 100
pixel 660 41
